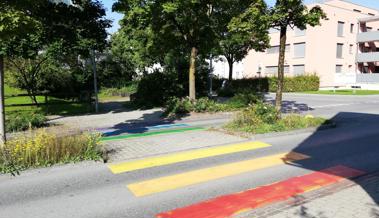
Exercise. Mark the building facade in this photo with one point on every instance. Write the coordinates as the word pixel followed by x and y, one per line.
pixel 343 51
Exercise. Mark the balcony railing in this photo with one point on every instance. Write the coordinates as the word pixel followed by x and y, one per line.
pixel 368 57
pixel 368 37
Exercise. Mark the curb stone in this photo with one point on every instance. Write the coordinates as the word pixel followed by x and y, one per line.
pixel 298 200
pixel 275 134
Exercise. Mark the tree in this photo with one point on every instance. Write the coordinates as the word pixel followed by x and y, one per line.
pixel 235 43
pixel 289 14
pixel 174 23
pixel 77 27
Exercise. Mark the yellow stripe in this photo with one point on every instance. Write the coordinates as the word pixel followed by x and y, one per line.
pixel 203 175
pixel 184 156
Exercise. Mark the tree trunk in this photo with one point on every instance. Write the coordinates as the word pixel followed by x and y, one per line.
pixel 230 62
pixel 280 84
pixel 192 71
pixel 2 105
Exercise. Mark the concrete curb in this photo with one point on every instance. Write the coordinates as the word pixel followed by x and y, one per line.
pixel 277 134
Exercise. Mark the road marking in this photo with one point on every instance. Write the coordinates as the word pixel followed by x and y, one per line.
pixel 204 175
pixel 229 205
pixel 137 135
pixel 184 156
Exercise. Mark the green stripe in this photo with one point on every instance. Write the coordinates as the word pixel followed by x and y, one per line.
pixel 111 138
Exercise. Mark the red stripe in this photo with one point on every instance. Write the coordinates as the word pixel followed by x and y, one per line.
pixel 228 205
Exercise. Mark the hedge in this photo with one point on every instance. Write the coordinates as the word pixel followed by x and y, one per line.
pixel 269 84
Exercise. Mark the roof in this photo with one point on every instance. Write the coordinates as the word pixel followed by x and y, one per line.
pixel 369 19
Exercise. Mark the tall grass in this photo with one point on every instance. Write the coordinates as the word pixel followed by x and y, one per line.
pixel 46 149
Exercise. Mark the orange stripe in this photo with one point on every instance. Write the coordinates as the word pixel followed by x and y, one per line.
pixel 229 205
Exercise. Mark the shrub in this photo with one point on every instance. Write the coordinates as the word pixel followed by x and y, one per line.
pixel 296 84
pixel 177 106
pixel 45 149
pixel 269 84
pixel 263 118
pixel 156 88
pixel 244 99
pixel 123 91
pixel 24 120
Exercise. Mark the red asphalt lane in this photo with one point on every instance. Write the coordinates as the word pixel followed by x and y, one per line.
pixel 229 205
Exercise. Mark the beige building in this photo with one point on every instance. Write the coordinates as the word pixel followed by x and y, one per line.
pixel 342 51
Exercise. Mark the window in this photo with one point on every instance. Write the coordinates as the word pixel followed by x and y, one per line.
pixel 352 28
pixel 369 29
pixel 298 69
pixel 351 49
pixel 356 10
pixel 271 70
pixel 339 50
pixel 299 50
pixel 371 14
pixel 274 69
pixel 338 68
pixel 273 49
pixel 340 29
pixel 299 32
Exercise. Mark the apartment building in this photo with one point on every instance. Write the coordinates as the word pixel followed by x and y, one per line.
pixel 344 50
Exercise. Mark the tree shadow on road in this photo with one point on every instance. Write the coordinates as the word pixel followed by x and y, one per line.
pixel 353 144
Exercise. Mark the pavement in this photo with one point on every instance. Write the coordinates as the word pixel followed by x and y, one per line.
pixel 170 170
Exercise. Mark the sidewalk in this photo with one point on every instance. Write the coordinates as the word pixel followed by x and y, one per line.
pixel 162 144
pixel 358 199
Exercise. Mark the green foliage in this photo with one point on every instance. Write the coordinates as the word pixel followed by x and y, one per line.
pixel 296 84
pixel 244 99
pixel 24 120
pixel 156 88
pixel 245 28
pixel 263 118
pixel 301 83
pixel 45 149
pixel 123 91
pixel 179 106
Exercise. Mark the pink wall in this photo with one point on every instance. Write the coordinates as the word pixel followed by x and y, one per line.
pixel 321 45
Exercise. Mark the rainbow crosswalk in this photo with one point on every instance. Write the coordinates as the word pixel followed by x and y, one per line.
pixel 232 204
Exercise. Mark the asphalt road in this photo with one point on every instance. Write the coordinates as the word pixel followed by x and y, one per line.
pixel 91 190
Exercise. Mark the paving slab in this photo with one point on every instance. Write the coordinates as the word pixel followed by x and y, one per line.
pixel 135 148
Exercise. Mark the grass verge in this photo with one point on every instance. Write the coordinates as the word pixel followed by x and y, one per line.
pixel 263 118
pixel 44 149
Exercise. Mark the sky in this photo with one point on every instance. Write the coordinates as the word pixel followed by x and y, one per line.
pixel 115 17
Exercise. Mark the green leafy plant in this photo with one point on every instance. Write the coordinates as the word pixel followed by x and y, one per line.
pixel 25 120
pixel 45 149
pixel 264 118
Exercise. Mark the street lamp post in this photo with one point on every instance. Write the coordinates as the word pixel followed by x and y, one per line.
pixel 95 81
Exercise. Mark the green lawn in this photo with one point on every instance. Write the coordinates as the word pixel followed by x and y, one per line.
pixel 344 92
pixel 57 106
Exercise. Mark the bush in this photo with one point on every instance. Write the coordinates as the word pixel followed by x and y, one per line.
pixel 127 90
pixel 244 99
pixel 24 120
pixel 156 88
pixel 269 84
pixel 263 118
pixel 177 106
pixel 45 149
pixel 296 84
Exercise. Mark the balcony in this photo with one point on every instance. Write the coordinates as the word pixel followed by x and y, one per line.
pixel 368 37
pixel 368 57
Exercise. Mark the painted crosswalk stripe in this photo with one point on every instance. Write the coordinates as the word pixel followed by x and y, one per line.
pixel 184 156
pixel 233 204
pixel 204 175
pixel 136 135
